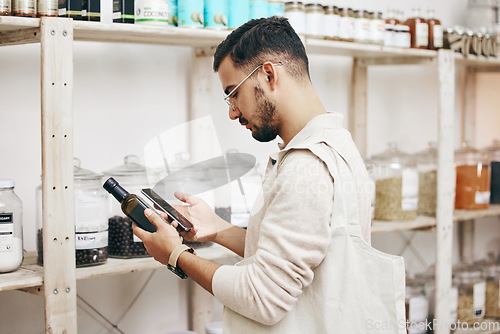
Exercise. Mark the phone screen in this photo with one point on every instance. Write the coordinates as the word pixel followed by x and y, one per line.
pixel 183 223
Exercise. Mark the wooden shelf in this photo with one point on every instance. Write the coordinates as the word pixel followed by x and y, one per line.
pixel 489 327
pixel 31 274
pixel 424 222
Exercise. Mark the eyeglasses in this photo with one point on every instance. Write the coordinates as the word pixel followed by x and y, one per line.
pixel 227 97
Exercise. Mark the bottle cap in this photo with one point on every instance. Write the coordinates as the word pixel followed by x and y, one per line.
pixel 4 184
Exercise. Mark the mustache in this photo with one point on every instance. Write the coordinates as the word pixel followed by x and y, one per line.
pixel 243 120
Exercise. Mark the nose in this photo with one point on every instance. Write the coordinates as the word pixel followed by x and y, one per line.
pixel 234 114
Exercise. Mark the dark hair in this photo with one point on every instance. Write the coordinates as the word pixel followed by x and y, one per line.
pixel 267 39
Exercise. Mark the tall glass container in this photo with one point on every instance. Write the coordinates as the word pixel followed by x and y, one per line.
pixel 417 306
pixel 471 295
pixel 396 185
pixel 473 179
pixel 122 241
pixel 493 153
pixel 427 179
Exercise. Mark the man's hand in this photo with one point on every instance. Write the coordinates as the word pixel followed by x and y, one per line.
pixel 161 243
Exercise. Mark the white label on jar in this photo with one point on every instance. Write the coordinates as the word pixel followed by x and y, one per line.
pixel 315 23
pixel 297 21
pixel 409 191
pixel 438 36
pixel 479 299
pixel 422 34
pixel 331 25
pixel 151 12
pixel 91 240
pixel 6 232
pixel 91 210
pixel 482 197
pixel 418 310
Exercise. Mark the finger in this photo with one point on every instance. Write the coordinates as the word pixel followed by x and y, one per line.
pixel 186 198
pixel 154 218
pixel 139 232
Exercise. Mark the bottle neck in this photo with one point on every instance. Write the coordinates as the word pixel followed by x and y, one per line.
pixel 119 193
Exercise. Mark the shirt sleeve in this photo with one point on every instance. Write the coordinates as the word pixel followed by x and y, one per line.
pixel 293 239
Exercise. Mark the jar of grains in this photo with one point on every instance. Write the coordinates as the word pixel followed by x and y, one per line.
pixel 491 273
pixel 396 187
pixel 122 241
pixel 471 294
pixel 473 179
pixel 427 179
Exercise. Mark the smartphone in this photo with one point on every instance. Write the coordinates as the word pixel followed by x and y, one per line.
pixel 183 224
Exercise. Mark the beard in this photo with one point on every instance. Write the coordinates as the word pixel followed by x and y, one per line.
pixel 267 124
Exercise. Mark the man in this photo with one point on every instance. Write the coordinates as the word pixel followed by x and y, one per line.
pixel 296 275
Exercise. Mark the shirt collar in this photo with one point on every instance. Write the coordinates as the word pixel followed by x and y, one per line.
pixel 330 120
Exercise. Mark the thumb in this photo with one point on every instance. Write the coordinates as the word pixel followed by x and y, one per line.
pixel 154 218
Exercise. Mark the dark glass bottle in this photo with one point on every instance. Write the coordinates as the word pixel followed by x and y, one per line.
pixel 132 205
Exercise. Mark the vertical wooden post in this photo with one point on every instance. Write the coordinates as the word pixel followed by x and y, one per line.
pixel 446 189
pixel 358 101
pixel 57 175
pixel 466 241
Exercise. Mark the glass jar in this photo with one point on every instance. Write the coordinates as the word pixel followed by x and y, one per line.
pixel 429 279
pixel 471 294
pixel 402 38
pixel 427 179
pixel 315 19
pixel 491 273
pixel 91 220
pixel 473 179
pixel 295 13
pixel 396 185
pixel 332 18
pixel 11 228
pixel 361 26
pixel 122 241
pixel 346 26
pixel 493 154
pixel 417 307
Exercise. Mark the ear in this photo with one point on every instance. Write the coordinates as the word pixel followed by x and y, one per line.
pixel 271 74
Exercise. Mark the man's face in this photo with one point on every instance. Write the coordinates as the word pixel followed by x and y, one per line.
pixel 252 106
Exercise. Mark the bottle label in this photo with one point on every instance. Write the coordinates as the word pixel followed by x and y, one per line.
pixel 6 232
pixel 479 299
pixel 482 197
pixel 191 13
pixel 346 28
pixel 4 7
pixel 417 314
pixel 422 34
pixel 172 13
pixel 409 191
pixel 215 15
pixel 91 240
pixel 91 211
pixel 438 36
pixel 48 7
pixel 151 11
pixel 24 7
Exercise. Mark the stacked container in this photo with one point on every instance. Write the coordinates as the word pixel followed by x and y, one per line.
pixel 427 180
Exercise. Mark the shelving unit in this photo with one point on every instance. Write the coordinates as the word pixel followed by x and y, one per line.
pixel 57 279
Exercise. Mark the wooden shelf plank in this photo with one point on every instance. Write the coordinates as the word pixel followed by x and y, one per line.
pixel 15 23
pixel 421 222
pixel 462 215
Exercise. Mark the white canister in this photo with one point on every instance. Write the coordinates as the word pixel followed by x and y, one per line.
pixel 151 12
pixel 295 13
pixel 276 8
pixel 315 19
pixel 173 13
pixel 332 19
pixel 215 14
pixel 11 228
pixel 239 12
pixel 190 13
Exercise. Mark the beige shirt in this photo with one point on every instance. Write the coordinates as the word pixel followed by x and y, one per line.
pixel 289 230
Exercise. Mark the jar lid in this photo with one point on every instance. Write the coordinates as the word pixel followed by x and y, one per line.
pixel 467 274
pixel 6 183
pixel 427 156
pixel 493 151
pixel 131 166
pixel 467 155
pixel 392 156
pixel 83 174
pixel 492 270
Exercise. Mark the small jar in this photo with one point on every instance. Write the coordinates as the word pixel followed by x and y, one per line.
pixel 258 9
pixel 239 12
pixel 315 19
pixel 91 219
pixel 390 35
pixel 5 7
pixel 396 185
pixel 427 179
pixel 48 8
pixel 24 8
pixel 491 273
pixel 417 306
pixel 471 295
pixel 377 28
pixel 346 26
pixel 402 37
pixel 473 179
pixel 296 15
pixel 122 241
pixel 332 18
pixel 215 14
pixel 11 228
pixel 493 155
